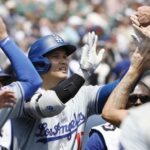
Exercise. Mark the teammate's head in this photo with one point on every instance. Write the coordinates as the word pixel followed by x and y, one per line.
pixel 40 49
pixel 140 95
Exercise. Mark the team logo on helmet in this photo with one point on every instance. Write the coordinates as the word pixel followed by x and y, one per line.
pixel 58 39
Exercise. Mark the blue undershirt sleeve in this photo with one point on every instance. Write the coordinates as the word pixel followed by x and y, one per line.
pixel 106 90
pixel 25 72
pixel 95 142
pixel 104 94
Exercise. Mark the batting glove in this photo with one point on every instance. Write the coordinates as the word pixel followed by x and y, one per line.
pixel 90 59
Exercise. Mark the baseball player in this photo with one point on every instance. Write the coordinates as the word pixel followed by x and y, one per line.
pixel 13 94
pixel 41 106
pixel 5 132
pixel 7 98
pixel 26 84
pixel 39 126
pixel 31 82
pixel 115 112
pixel 107 136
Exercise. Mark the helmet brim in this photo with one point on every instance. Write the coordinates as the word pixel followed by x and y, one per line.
pixel 68 48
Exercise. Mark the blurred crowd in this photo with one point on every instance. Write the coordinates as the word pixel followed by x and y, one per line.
pixel 28 20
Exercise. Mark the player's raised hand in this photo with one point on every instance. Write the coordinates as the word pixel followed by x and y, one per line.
pixel 144 32
pixel 141 31
pixel 141 57
pixel 3 31
pixel 90 59
pixel 137 37
pixel 143 13
pixel 140 60
pixel 7 98
pixel 134 19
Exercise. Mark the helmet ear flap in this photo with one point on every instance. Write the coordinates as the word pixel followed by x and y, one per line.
pixel 41 64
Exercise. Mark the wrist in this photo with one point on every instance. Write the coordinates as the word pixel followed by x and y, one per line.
pixel 3 36
pixel 3 41
pixel 84 74
pixel 134 72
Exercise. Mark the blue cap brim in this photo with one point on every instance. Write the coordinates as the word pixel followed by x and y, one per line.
pixel 66 47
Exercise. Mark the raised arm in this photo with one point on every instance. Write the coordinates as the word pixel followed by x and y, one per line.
pixel 114 110
pixel 52 101
pixel 90 59
pixel 25 72
pixel 28 79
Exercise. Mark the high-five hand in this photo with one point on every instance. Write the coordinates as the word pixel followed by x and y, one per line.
pixel 89 58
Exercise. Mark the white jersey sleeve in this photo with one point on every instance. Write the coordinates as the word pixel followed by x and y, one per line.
pixel 6 113
pixel 63 131
pixel 88 97
pixel 5 135
pixel 44 103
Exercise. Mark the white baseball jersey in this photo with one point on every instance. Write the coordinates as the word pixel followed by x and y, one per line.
pixel 110 134
pixel 5 135
pixel 63 131
pixel 6 113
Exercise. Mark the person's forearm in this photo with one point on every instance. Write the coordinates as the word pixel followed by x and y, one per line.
pixel 25 72
pixel 106 90
pixel 114 109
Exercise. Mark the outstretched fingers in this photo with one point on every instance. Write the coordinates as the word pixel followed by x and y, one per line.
pixel 95 38
pixel 144 31
pixel 84 56
pixel 134 20
pixel 139 29
pixel 101 54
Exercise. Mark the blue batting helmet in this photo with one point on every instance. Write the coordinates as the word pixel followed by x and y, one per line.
pixel 45 45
